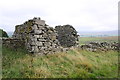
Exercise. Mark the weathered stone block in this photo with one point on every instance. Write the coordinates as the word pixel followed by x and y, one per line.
pixel 39 43
pixel 35 27
pixel 38 32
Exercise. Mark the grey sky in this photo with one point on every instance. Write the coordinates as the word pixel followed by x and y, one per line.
pixel 84 15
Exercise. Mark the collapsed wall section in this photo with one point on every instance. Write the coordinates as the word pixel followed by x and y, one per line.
pixel 39 38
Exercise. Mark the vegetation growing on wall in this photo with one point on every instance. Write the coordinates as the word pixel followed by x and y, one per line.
pixel 3 33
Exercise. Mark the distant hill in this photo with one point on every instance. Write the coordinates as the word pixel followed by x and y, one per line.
pixel 90 33
pixel 98 34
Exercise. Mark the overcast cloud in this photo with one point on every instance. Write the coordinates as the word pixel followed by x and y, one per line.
pixel 84 15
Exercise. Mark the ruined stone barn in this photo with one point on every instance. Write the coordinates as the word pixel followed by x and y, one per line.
pixel 38 37
pixel 43 39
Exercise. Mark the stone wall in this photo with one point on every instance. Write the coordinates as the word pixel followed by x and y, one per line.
pixel 39 37
pixel 67 35
pixel 13 43
pixel 101 46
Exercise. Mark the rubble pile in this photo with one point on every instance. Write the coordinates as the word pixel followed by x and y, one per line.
pixel 101 46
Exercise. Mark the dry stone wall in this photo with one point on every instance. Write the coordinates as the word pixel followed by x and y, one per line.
pixel 13 43
pixel 39 37
pixel 101 46
pixel 67 35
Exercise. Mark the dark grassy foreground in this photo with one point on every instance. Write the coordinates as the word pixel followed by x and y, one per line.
pixel 75 63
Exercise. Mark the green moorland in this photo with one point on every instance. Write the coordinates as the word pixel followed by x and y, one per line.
pixel 84 40
pixel 75 63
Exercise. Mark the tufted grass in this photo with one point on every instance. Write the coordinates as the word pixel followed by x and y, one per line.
pixel 75 63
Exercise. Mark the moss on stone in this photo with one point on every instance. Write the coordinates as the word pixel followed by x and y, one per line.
pixel 22 30
pixel 29 28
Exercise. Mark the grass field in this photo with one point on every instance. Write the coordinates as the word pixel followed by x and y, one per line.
pixel 84 40
pixel 75 63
